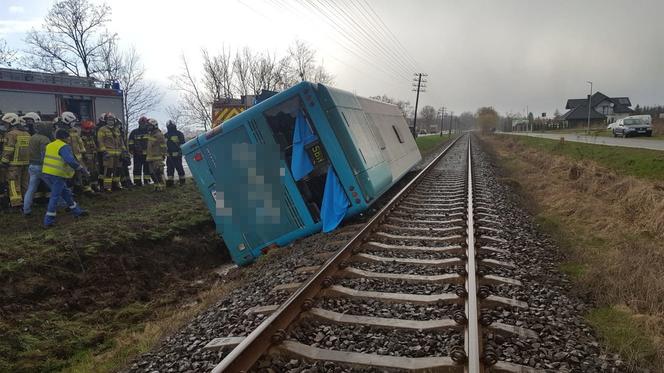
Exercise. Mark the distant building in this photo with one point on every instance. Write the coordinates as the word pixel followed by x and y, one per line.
pixel 603 110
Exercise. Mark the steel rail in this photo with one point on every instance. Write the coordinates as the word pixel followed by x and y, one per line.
pixel 272 330
pixel 473 336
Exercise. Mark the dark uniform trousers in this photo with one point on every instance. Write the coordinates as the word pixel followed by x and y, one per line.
pixel 174 163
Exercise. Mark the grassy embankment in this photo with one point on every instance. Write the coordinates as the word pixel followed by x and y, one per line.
pixel 427 144
pixel 90 294
pixel 605 207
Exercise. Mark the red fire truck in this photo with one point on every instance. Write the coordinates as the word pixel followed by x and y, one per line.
pixel 49 95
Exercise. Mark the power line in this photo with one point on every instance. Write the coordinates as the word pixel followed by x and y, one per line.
pixel 390 55
pixel 349 49
pixel 339 28
pixel 384 39
pixel 394 38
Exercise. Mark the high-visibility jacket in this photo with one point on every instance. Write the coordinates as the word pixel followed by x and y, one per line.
pixel 108 140
pixel 174 141
pixel 3 135
pixel 77 146
pixel 138 141
pixel 16 149
pixel 54 164
pixel 156 150
pixel 89 144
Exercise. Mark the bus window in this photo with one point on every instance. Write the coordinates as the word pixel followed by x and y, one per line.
pixel 281 120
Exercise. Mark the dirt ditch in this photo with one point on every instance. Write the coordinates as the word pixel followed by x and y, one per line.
pixel 54 311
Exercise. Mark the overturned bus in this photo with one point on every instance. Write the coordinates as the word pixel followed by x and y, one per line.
pixel 298 163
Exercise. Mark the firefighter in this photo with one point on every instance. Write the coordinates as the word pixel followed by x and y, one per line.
pixel 31 119
pixel 125 160
pixel 37 146
pixel 69 123
pixel 174 140
pixel 137 145
pixel 100 160
pixel 156 151
pixel 109 147
pixel 60 165
pixel 16 157
pixel 3 170
pixel 90 185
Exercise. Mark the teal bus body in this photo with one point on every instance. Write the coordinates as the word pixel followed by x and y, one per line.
pixel 366 143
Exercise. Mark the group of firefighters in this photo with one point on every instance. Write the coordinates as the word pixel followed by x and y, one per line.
pixel 67 156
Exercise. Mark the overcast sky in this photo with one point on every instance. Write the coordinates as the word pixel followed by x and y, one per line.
pixel 508 54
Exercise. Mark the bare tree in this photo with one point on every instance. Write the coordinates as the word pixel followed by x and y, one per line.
pixel 175 113
pixel 247 73
pixel 139 96
pixel 322 76
pixel 73 38
pixel 7 55
pixel 241 68
pixel 218 75
pixel 303 58
pixel 428 115
pixel 262 73
pixel 284 74
pixel 487 118
pixel 194 104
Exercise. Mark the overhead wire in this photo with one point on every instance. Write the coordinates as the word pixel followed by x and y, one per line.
pixel 345 46
pixel 390 33
pixel 380 35
pixel 311 4
pixel 367 37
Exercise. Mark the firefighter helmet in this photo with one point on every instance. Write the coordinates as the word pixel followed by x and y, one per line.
pixel 87 125
pixel 143 120
pixel 110 119
pixel 152 124
pixel 68 118
pixel 11 119
pixel 33 116
pixel 59 123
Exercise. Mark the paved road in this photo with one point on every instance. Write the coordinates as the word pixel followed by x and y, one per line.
pixel 628 142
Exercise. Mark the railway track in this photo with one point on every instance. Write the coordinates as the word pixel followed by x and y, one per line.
pixel 436 239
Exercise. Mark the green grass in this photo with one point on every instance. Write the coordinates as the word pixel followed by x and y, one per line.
pixel 644 163
pixel 42 333
pixel 622 334
pixel 429 143
pixel 115 219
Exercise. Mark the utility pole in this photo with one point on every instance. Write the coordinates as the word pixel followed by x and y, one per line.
pixel 420 87
pixel 442 118
pixel 590 96
pixel 451 122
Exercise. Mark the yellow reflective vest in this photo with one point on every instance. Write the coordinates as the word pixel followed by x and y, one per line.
pixel 53 162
